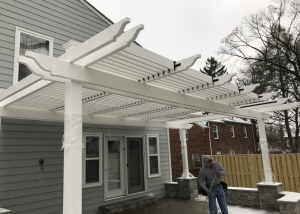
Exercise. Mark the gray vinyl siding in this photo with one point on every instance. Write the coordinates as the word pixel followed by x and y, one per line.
pixel 24 188
pixel 63 20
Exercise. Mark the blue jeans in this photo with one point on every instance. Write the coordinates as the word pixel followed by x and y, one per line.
pixel 217 193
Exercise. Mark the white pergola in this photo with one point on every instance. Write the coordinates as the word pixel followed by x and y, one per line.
pixel 108 79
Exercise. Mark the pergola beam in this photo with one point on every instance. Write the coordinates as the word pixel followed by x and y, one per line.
pixel 280 107
pixel 180 66
pixel 121 43
pixel 109 83
pixel 20 113
pixel 105 37
pixel 206 82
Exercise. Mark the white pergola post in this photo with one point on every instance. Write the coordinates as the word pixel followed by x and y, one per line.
pixel 185 163
pixel 72 188
pixel 264 151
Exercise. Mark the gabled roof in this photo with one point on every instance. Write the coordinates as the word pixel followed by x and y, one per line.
pixel 96 11
pixel 203 124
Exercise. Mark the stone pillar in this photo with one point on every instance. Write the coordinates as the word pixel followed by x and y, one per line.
pixel 187 188
pixel 268 194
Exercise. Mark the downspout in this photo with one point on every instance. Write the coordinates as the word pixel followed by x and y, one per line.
pixel 209 138
pixel 169 147
pixel 254 139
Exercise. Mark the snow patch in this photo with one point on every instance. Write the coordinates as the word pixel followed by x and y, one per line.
pixel 293 197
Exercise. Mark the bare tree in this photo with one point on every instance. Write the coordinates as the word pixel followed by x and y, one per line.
pixel 269 43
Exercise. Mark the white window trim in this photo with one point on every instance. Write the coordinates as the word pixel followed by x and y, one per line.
pixel 245 132
pixel 84 185
pixel 17 48
pixel 149 155
pixel 232 152
pixel 219 152
pixel 232 131
pixel 217 131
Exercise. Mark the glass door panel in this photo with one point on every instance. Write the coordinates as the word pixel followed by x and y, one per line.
pixel 114 167
pixel 135 165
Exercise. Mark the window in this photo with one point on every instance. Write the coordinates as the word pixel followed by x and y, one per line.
pixel 186 134
pixel 92 164
pixel 219 152
pixel 232 131
pixel 215 131
pixel 231 151
pixel 26 40
pixel 196 161
pixel 247 151
pixel 245 131
pixel 153 159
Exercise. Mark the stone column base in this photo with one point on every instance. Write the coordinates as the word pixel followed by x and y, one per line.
pixel 268 193
pixel 171 189
pixel 187 188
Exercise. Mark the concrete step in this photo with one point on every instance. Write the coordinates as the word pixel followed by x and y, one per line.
pixel 128 204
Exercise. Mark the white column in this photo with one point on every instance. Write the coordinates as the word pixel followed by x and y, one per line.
pixel 264 151
pixel 72 192
pixel 184 153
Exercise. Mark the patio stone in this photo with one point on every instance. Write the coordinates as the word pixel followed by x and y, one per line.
pixel 124 205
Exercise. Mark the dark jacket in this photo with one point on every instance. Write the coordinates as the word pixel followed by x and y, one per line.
pixel 207 173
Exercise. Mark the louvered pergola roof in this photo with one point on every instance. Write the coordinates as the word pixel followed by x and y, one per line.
pixel 129 85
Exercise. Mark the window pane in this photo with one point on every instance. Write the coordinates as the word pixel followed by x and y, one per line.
pixel 34 44
pixel 153 164
pixel 114 167
pixel 215 135
pixel 92 147
pixel 92 171
pixel 152 145
pixel 23 72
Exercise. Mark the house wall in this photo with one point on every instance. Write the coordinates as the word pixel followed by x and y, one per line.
pixel 62 20
pixel 24 188
pixel 225 142
pixel 198 143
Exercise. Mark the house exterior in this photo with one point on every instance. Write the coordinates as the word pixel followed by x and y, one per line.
pixel 84 119
pixel 215 137
pixel 26 185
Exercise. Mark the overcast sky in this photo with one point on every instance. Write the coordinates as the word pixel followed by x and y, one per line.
pixel 178 29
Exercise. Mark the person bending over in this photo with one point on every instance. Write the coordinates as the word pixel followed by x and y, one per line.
pixel 211 174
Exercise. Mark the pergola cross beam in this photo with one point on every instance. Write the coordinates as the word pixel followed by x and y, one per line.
pixel 205 81
pixel 179 66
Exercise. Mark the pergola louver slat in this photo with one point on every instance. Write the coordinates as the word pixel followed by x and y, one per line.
pixel 122 86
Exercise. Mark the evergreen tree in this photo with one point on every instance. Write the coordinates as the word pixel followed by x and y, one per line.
pixel 214 68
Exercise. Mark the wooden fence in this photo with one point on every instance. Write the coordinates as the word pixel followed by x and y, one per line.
pixel 247 170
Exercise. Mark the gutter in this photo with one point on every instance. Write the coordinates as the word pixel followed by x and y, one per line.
pixel 254 139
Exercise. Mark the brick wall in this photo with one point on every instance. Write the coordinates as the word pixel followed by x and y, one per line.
pixel 198 143
pixel 225 142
